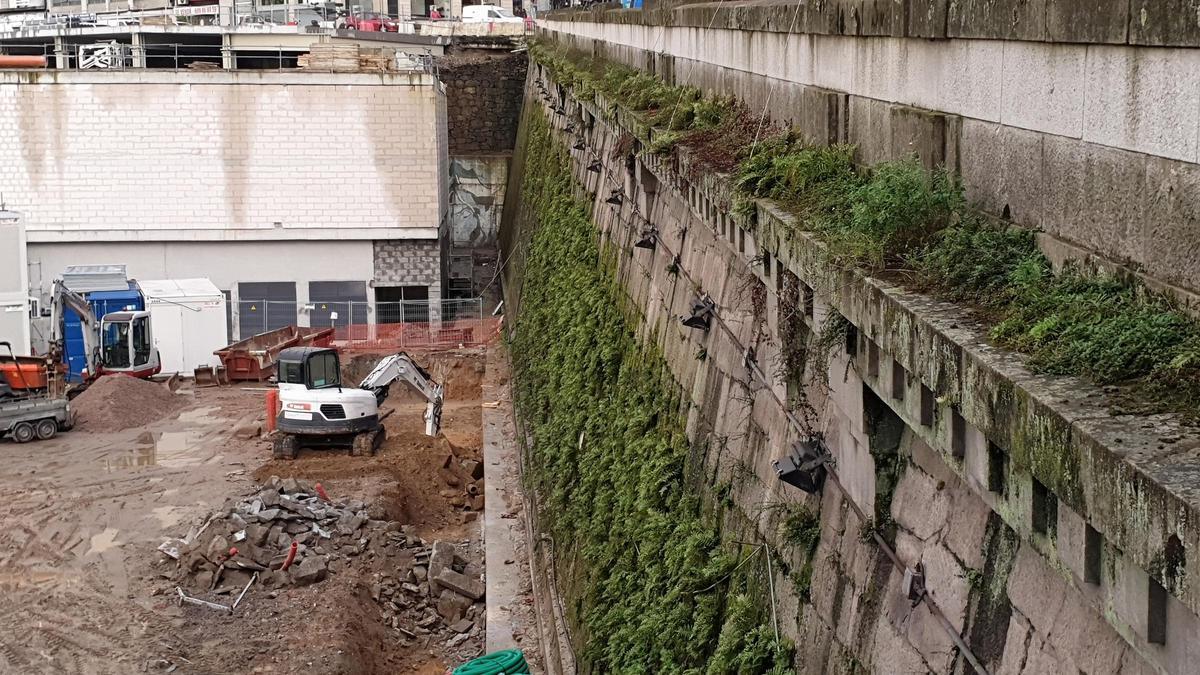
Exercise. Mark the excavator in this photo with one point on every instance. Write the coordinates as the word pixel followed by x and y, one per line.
pixel 34 397
pixel 117 343
pixel 317 410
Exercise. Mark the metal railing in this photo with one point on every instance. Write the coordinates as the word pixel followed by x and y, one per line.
pixel 120 56
pixel 358 324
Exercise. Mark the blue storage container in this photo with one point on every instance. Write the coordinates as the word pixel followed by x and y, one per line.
pixel 102 302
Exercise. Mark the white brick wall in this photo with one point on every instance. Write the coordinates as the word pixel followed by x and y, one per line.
pixel 159 156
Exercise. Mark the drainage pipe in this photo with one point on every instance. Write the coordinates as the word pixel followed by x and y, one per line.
pixel 22 61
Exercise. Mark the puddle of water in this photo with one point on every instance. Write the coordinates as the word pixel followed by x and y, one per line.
pixel 104 541
pixel 168 449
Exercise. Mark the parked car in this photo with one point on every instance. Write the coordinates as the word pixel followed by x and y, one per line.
pixel 372 22
pixel 488 14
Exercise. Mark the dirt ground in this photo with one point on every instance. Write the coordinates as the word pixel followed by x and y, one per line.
pixel 87 591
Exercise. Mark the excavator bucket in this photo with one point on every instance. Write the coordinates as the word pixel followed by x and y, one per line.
pixel 208 376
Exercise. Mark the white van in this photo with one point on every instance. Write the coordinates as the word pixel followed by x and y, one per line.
pixel 488 14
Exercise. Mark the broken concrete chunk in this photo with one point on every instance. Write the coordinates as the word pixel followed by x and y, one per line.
pixel 273 482
pixel 442 558
pixel 267 515
pixel 457 640
pixel 452 606
pixel 428 621
pixel 290 486
pixel 473 468
pixel 462 626
pixel 256 534
pixel 248 431
pixel 218 548
pixel 460 583
pixel 311 570
pixel 411 588
pixel 420 573
pixel 269 497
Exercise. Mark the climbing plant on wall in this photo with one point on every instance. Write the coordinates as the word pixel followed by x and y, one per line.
pixel 651 582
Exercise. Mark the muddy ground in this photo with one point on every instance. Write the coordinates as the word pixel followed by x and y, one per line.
pixel 87 591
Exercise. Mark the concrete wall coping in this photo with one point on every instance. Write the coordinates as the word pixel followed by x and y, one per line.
pixel 1149 23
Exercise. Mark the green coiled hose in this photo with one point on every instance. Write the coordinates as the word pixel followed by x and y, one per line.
pixel 507 662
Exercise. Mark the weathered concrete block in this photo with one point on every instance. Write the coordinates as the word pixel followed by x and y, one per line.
pixel 997 19
pixel 460 583
pixel 869 128
pixel 1161 23
pixel 927 18
pixel 918 132
pixel 1087 20
pixel 1144 100
pixel 1172 216
pixel 1044 88
pixel 918 505
pixel 1002 170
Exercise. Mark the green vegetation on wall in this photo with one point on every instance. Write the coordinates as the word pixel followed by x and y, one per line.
pixel 898 216
pixel 655 590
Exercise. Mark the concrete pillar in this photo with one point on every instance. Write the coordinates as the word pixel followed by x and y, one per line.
pixel 228 57
pixel 60 53
pixel 139 49
pixel 303 315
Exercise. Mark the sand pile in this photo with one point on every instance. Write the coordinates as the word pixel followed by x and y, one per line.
pixel 119 402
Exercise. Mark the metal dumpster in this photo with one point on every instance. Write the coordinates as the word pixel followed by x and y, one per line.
pixel 254 358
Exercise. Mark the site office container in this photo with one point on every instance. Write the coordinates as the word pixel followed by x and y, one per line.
pixel 187 318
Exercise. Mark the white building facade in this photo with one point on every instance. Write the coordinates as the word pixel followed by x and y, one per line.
pixel 295 192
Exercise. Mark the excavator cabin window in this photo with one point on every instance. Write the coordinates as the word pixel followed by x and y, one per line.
pixel 141 341
pixel 323 371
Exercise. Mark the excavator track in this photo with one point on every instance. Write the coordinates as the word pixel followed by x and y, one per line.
pixel 368 443
pixel 286 446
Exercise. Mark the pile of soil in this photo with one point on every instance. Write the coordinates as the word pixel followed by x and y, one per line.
pixel 119 402
pixel 461 373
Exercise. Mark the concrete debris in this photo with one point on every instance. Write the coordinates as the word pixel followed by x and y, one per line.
pixel 310 570
pixel 452 606
pixel 425 588
pixel 460 583
pixel 473 469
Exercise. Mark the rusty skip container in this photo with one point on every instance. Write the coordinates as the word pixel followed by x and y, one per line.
pixel 255 357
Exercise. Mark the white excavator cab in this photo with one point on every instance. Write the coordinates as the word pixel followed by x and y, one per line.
pixel 317 409
pixel 127 345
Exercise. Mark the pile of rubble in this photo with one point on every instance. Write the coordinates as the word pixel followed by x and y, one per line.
pixel 464 485
pixel 290 533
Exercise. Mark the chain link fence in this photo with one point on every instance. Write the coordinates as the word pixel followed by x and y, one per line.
pixel 358 324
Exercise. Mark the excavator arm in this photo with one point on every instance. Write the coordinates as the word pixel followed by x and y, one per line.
pixel 65 297
pixel 402 367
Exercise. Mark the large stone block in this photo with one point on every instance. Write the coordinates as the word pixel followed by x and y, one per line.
pixel 918 505
pixel 1002 170
pixel 997 19
pixel 1164 22
pixel 927 18
pixel 1144 100
pixel 1172 217
pixel 1087 21
pixel 1044 87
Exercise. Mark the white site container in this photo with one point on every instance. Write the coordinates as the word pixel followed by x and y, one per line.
pixel 188 319
pixel 14 285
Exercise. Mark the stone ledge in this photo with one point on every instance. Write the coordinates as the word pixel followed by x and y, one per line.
pixel 1155 23
pixel 1106 468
